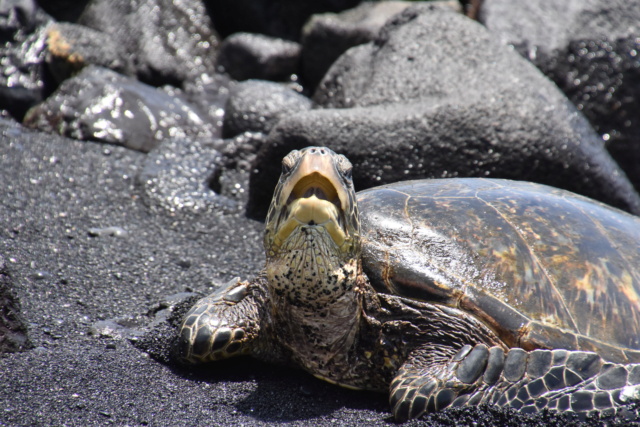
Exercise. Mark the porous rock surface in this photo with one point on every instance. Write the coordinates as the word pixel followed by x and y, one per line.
pixel 23 33
pixel 71 47
pixel 436 96
pixel 13 329
pixel 591 50
pixel 255 56
pixel 276 18
pixel 257 106
pixel 326 36
pixel 169 41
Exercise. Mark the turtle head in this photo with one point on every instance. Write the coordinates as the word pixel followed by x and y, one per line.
pixel 312 225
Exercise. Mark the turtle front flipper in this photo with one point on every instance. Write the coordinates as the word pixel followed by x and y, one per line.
pixel 557 380
pixel 221 325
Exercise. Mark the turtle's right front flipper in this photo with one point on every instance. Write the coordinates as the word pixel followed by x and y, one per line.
pixel 221 325
pixel 557 380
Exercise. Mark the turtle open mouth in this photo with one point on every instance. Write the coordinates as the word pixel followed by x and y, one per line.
pixel 317 185
pixel 314 201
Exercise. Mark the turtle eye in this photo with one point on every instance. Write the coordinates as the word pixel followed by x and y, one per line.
pixel 289 161
pixel 347 173
pixel 345 167
pixel 286 168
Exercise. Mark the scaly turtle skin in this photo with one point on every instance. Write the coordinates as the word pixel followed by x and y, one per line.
pixel 444 292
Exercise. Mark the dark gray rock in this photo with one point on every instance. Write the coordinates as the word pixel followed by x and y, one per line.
pixel 436 96
pixel 255 56
pixel 64 10
pixel 256 106
pixel 18 16
pixel 102 105
pixel 209 94
pixel 327 36
pixel 591 49
pixel 169 41
pixel 23 81
pixel 13 329
pixel 200 176
pixel 71 47
pixel 239 155
pixel 276 18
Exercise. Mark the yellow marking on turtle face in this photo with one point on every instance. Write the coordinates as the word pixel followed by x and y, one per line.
pixel 312 211
pixel 315 180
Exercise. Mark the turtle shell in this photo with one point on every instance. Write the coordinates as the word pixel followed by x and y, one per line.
pixel 542 267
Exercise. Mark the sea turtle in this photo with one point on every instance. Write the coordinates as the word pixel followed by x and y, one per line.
pixel 443 292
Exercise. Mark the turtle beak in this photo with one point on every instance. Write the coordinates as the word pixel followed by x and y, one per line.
pixel 315 196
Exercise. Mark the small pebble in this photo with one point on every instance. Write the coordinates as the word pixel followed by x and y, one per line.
pixel 108 231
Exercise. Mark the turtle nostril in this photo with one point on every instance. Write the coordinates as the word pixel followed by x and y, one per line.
pixel 318 150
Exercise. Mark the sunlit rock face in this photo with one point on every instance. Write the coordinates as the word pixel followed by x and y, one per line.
pixel 101 105
pixel 591 50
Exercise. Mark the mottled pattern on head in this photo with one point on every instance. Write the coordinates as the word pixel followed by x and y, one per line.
pixel 312 238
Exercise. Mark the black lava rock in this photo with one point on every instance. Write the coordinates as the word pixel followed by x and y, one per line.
pixel 276 18
pixel 256 106
pixel 170 42
pixel 71 47
pixel 23 79
pixel 592 51
pixel 326 36
pixel 102 105
pixel 254 56
pixel 209 94
pixel 13 329
pixel 64 10
pixel 436 96
pixel 18 16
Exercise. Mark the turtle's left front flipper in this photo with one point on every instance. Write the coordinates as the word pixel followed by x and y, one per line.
pixel 221 325
pixel 558 380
